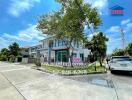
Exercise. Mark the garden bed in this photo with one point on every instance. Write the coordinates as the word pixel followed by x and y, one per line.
pixel 72 71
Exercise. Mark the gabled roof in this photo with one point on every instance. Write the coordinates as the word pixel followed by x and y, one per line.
pixel 116 7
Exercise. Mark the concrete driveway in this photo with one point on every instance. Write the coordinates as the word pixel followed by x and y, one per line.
pixel 20 82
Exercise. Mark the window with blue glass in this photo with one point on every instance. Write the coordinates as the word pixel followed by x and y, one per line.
pixel 59 42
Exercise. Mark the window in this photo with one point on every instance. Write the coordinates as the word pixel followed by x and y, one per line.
pixel 55 43
pixel 63 42
pixel 82 56
pixel 74 55
pixel 51 43
pixel 43 44
pixel 59 42
pixel 26 50
pixel 77 44
pixel 62 56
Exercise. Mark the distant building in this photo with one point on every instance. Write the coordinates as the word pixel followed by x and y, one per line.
pixel 25 51
pixel 117 10
pixel 33 50
pixel 24 54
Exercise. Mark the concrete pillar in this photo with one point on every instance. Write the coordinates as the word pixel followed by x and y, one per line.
pixel 49 55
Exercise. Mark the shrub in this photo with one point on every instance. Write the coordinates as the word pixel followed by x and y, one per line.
pixel 3 58
pixel 37 63
pixel 12 59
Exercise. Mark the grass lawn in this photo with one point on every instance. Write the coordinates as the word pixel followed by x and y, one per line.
pixel 74 70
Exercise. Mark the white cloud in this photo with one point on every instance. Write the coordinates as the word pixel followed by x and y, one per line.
pixel 17 7
pixel 127 26
pixel 28 35
pixel 102 5
pixel 124 22
pixel 115 40
pixel 10 37
pixel 113 29
pixel 3 42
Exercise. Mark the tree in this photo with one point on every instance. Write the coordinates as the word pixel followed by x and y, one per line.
pixel 118 52
pixel 129 49
pixel 14 49
pixel 4 54
pixel 98 46
pixel 68 23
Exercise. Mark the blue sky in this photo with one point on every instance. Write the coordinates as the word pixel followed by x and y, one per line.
pixel 18 19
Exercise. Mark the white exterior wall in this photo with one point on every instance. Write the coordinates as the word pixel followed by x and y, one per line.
pixel 86 52
pixel 25 60
pixel 79 51
pixel 44 50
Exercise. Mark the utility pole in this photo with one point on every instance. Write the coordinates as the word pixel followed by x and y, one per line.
pixel 123 37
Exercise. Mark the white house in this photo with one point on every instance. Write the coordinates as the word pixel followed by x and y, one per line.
pixel 56 51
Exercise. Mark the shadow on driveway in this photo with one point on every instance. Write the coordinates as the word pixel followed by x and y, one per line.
pixel 122 73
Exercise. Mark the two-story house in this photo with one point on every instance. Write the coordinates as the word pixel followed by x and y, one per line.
pixel 33 50
pixel 56 51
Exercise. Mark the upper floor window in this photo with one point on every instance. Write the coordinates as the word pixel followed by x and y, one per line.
pixel 63 42
pixel 54 43
pixel 77 44
pixel 43 45
pixel 59 42
pixel 26 50
pixel 51 43
pixel 32 49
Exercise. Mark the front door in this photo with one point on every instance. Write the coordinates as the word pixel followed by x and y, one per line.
pixel 62 56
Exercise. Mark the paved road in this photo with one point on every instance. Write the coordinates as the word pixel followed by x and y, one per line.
pixel 20 82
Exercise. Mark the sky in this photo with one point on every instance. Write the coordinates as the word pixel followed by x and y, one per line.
pixel 18 21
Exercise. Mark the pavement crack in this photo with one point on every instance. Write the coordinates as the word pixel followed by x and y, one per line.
pixel 13 86
pixel 113 85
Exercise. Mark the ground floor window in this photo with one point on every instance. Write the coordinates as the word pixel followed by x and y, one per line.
pixel 74 55
pixel 61 56
pixel 82 56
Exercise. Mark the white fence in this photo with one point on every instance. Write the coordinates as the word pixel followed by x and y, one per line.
pixel 64 64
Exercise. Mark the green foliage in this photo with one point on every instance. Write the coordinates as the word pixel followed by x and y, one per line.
pixel 12 58
pixel 11 53
pixel 121 52
pixel 129 49
pixel 14 49
pixel 4 54
pixel 118 52
pixel 69 22
pixel 98 46
pixel 37 62
pixel 3 58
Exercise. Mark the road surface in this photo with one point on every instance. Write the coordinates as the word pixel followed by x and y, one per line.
pixel 20 82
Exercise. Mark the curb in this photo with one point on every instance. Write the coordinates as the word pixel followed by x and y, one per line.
pixel 41 69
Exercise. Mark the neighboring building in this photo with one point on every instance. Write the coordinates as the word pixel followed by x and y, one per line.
pixel 25 51
pixel 33 50
pixel 56 50
pixel 24 54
